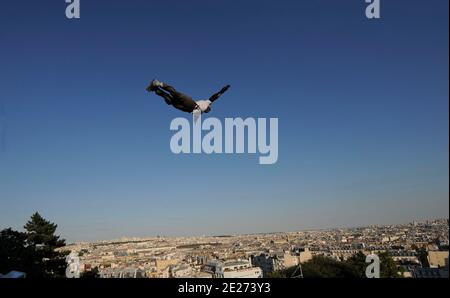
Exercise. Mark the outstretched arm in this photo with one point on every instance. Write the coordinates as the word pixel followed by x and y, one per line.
pixel 215 96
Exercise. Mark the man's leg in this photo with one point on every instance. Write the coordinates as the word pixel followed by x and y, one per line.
pixel 167 98
pixel 179 100
pixel 170 101
pixel 216 96
pixel 174 93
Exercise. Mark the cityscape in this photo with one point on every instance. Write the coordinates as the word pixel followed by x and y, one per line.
pixel 201 148
pixel 419 249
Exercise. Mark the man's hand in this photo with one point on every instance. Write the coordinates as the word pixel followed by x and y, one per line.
pixel 215 96
pixel 224 89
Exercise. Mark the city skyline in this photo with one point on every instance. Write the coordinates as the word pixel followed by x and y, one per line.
pixel 125 238
pixel 417 250
pixel 311 229
pixel 362 107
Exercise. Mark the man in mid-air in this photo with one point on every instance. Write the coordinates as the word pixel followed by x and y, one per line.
pixel 181 101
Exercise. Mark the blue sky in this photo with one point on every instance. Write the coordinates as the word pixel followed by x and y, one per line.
pixel 362 108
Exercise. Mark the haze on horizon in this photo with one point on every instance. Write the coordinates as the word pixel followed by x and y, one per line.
pixel 143 237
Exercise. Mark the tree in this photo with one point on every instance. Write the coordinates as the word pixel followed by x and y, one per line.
pixel 354 267
pixel 277 274
pixel 14 253
pixel 388 267
pixel 325 267
pixel 91 274
pixel 41 236
pixel 358 263
pixel 42 232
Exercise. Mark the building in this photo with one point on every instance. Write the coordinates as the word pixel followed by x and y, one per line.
pixel 267 263
pixel 233 269
pixel 304 255
pixel 290 260
pixel 201 275
pixel 430 273
pixel 181 271
pixel 129 272
pixel 162 267
pixel 438 259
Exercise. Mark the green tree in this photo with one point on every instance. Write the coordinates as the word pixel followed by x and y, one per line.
pixel 320 267
pixel 388 267
pixel 325 267
pixel 41 236
pixel 14 253
pixel 42 232
pixel 358 263
pixel 277 274
pixel 354 267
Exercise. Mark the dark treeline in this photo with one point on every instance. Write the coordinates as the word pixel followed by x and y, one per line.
pixel 354 267
pixel 33 252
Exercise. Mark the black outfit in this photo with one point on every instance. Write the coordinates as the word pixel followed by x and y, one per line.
pixel 182 101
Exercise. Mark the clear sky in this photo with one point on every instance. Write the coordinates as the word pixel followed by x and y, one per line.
pixel 362 108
